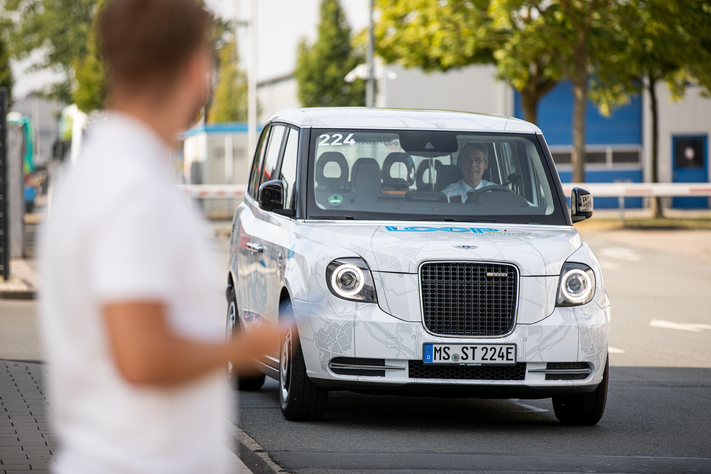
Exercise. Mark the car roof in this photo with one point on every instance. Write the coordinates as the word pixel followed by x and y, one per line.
pixel 398 119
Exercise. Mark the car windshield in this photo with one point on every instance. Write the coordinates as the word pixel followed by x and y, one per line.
pixel 430 175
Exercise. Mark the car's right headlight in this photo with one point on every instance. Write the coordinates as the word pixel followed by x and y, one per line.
pixel 350 279
pixel 576 286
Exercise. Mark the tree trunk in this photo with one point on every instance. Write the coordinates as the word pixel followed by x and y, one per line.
pixel 529 100
pixel 580 94
pixel 656 202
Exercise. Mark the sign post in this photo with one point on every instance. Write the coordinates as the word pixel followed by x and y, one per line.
pixel 4 187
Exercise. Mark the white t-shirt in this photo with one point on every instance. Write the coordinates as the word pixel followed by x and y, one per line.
pixel 119 231
pixel 461 188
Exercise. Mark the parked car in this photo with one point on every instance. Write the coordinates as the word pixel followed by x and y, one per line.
pixel 417 252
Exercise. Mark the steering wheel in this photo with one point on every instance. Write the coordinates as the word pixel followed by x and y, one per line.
pixel 492 188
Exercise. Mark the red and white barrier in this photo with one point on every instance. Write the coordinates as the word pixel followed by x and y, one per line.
pixel 214 191
pixel 620 190
pixel 236 191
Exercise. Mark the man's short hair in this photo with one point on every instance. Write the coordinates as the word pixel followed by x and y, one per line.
pixel 148 42
pixel 474 146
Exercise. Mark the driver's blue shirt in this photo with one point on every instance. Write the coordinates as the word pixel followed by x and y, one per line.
pixel 460 188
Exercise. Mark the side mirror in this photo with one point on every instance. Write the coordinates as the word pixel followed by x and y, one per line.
pixel 271 195
pixel 581 205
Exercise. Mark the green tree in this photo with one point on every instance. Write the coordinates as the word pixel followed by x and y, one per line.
pixel 579 37
pixel 230 101
pixel 60 27
pixel 89 92
pixel 659 42
pixel 6 78
pixel 439 36
pixel 321 67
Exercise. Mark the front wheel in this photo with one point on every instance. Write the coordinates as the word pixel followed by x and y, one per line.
pixel 300 399
pixel 244 384
pixel 583 409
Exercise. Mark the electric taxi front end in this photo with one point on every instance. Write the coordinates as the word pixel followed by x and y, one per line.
pixel 418 252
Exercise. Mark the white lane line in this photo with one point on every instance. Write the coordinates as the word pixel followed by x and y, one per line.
pixel 691 327
pixel 621 253
pixel 609 265
pixel 614 350
pixel 531 407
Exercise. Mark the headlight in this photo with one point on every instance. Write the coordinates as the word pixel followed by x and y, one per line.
pixel 577 285
pixel 350 279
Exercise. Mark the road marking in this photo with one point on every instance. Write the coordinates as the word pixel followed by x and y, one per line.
pixel 691 327
pixel 531 407
pixel 614 350
pixel 621 253
pixel 609 265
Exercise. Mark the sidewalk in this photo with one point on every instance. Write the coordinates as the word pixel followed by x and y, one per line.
pixel 27 439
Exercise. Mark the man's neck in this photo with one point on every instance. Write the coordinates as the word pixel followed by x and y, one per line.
pixel 157 118
pixel 470 184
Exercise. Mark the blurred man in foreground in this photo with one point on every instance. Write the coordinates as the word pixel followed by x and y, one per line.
pixel 135 343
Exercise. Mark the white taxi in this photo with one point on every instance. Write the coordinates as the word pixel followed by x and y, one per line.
pixel 417 252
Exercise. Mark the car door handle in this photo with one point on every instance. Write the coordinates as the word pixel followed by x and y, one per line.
pixel 255 247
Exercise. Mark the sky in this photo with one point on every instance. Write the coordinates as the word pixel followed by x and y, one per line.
pixel 280 25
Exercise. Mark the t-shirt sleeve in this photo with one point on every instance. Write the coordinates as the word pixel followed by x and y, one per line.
pixel 132 256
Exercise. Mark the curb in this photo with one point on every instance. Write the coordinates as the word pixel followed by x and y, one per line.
pixel 251 453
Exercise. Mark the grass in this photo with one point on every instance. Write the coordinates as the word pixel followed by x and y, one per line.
pixel 645 223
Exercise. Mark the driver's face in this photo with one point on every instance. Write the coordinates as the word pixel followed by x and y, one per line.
pixel 473 164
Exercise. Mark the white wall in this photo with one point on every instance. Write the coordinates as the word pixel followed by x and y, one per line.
pixel 471 89
pixel 276 95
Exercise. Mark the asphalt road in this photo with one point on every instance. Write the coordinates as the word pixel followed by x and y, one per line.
pixel 657 420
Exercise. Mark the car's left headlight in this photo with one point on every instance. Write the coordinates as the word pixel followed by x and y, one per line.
pixel 350 279
pixel 576 286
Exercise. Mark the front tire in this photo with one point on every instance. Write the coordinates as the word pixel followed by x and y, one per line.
pixel 583 409
pixel 243 384
pixel 300 399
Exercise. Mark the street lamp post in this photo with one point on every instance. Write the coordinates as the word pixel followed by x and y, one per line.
pixel 370 84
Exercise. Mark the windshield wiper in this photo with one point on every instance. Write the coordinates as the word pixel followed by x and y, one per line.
pixel 341 217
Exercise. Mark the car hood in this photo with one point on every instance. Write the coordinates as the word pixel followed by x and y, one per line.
pixel 402 247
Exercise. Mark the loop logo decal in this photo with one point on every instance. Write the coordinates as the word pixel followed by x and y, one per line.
pixel 459 230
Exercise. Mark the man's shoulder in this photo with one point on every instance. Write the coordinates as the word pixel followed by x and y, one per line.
pixel 455 187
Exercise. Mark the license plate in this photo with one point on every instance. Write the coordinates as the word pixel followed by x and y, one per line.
pixel 470 354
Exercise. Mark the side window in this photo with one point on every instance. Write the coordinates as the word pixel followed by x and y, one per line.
pixel 288 166
pixel 272 156
pixel 258 157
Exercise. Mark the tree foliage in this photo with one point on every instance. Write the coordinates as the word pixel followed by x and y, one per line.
pixel 230 101
pixel 6 78
pixel 321 67
pixel 89 92
pixel 60 28
pixel 439 36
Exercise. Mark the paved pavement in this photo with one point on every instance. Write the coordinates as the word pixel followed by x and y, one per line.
pixel 656 420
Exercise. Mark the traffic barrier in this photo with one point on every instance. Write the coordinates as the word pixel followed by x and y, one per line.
pixel 213 191
pixel 623 190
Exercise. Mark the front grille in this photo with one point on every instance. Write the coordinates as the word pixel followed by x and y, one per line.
pixel 419 370
pixel 469 299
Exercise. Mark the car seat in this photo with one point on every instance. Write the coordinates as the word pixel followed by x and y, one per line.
pixel 332 183
pixel 366 181
pixel 391 183
pixel 446 175
pixel 423 171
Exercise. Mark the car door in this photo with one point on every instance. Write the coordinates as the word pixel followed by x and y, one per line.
pixel 261 275
pixel 250 289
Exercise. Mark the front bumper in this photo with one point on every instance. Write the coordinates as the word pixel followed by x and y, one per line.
pixel 331 328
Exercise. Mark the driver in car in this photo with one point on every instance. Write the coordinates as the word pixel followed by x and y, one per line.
pixel 473 161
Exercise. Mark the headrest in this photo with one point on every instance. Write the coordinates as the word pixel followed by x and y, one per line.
pixel 446 175
pixel 424 169
pixel 406 160
pixel 366 176
pixel 332 157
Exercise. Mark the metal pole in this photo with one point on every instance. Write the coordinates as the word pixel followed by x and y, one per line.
pixel 370 84
pixel 4 186
pixel 252 81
